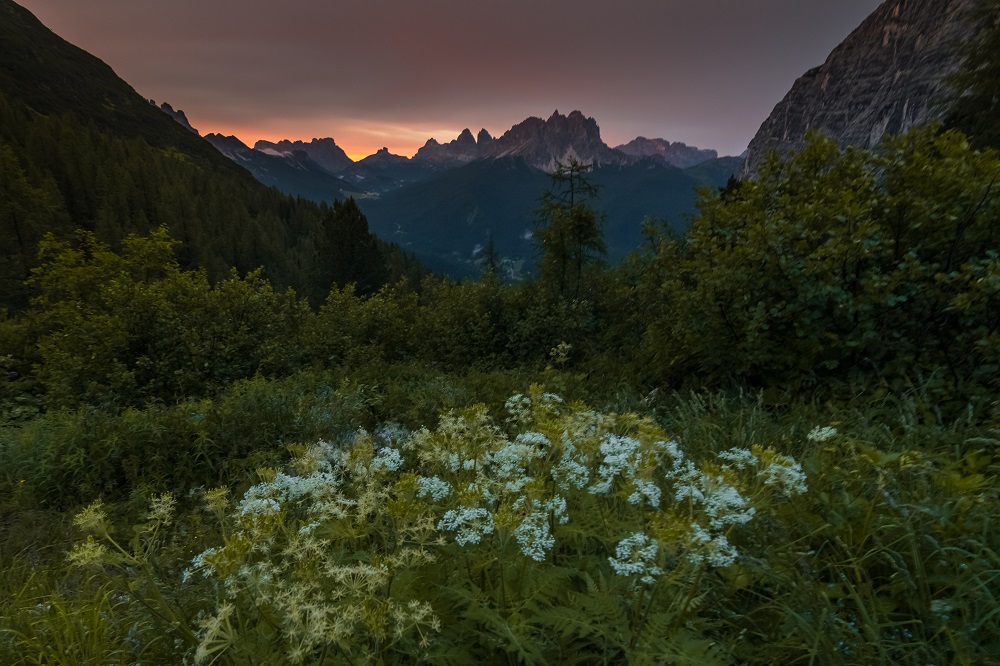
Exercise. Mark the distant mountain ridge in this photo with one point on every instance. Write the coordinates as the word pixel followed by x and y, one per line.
pixel 324 152
pixel 293 172
pixel 676 154
pixel 177 115
pixel 887 76
pixel 540 142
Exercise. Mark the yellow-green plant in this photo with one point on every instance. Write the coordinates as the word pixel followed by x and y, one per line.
pixel 551 532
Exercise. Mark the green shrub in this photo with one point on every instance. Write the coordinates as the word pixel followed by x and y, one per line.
pixel 875 270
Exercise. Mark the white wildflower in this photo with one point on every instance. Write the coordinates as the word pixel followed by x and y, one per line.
pixel 532 438
pixel 534 535
pixel 469 524
pixel 722 502
pixel 739 458
pixel 571 471
pixel 635 555
pixel 715 550
pixel 786 475
pixel 673 450
pixel 202 562
pixel 621 454
pixel 388 459
pixel 519 407
pixel 92 519
pixel 433 487
pixel 89 553
pixel 392 433
pixel 259 507
pixel 645 489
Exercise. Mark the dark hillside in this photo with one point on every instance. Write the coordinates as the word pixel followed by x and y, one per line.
pixel 80 149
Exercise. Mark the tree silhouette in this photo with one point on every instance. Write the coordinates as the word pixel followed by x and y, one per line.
pixel 569 229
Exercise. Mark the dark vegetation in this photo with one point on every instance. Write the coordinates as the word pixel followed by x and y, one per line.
pixel 772 439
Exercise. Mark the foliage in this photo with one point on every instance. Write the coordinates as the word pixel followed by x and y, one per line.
pixel 60 174
pixel 874 270
pixel 569 230
pixel 469 542
pixel 125 329
pixel 977 108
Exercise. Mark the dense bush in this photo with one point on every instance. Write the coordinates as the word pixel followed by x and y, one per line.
pixel 877 271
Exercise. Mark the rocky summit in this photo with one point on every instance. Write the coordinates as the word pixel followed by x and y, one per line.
pixel 675 154
pixel 544 142
pixel 324 152
pixel 889 75
pixel 462 150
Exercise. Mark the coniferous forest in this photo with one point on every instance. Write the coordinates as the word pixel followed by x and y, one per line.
pixel 235 428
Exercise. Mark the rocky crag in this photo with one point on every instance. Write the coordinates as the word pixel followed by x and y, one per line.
pixel 889 75
pixel 675 154
pixel 324 152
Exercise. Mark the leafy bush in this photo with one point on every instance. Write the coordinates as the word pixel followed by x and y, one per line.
pixel 572 533
pixel 856 269
pixel 130 328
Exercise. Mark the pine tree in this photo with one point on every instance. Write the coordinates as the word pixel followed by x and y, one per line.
pixel 569 229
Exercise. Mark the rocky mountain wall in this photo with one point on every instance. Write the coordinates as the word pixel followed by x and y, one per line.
pixel 887 76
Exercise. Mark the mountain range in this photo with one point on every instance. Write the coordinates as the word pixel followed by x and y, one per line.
pixel 450 200
pixel 447 202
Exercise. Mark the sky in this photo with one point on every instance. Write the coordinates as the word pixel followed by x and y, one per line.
pixel 394 73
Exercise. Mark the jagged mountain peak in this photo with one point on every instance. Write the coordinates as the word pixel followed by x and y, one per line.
pixel 542 143
pixel 324 152
pixel 677 154
pixel 456 152
pixel 177 115
pixel 230 146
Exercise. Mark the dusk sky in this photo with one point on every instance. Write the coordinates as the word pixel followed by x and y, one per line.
pixel 394 73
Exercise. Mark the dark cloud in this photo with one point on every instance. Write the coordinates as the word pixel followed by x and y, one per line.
pixel 394 72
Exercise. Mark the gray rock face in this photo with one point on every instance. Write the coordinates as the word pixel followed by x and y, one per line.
pixel 462 150
pixel 324 152
pixel 229 146
pixel 543 142
pixel 177 115
pixel 676 154
pixel 886 77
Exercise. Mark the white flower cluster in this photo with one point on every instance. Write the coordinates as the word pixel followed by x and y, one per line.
pixel 201 562
pixel 509 464
pixel 636 555
pixel 433 487
pixel 259 507
pixel 533 535
pixel 519 407
pixel 392 433
pixel 572 470
pixel 470 524
pixel 786 475
pixel 723 504
pixel 739 458
pixel 387 459
pixel 623 457
pixel 714 549
pixel 820 434
pixel 456 463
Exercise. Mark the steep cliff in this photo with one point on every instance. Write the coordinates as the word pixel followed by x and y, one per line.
pixel 887 76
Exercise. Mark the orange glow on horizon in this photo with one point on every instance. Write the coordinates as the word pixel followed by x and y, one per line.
pixel 357 145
